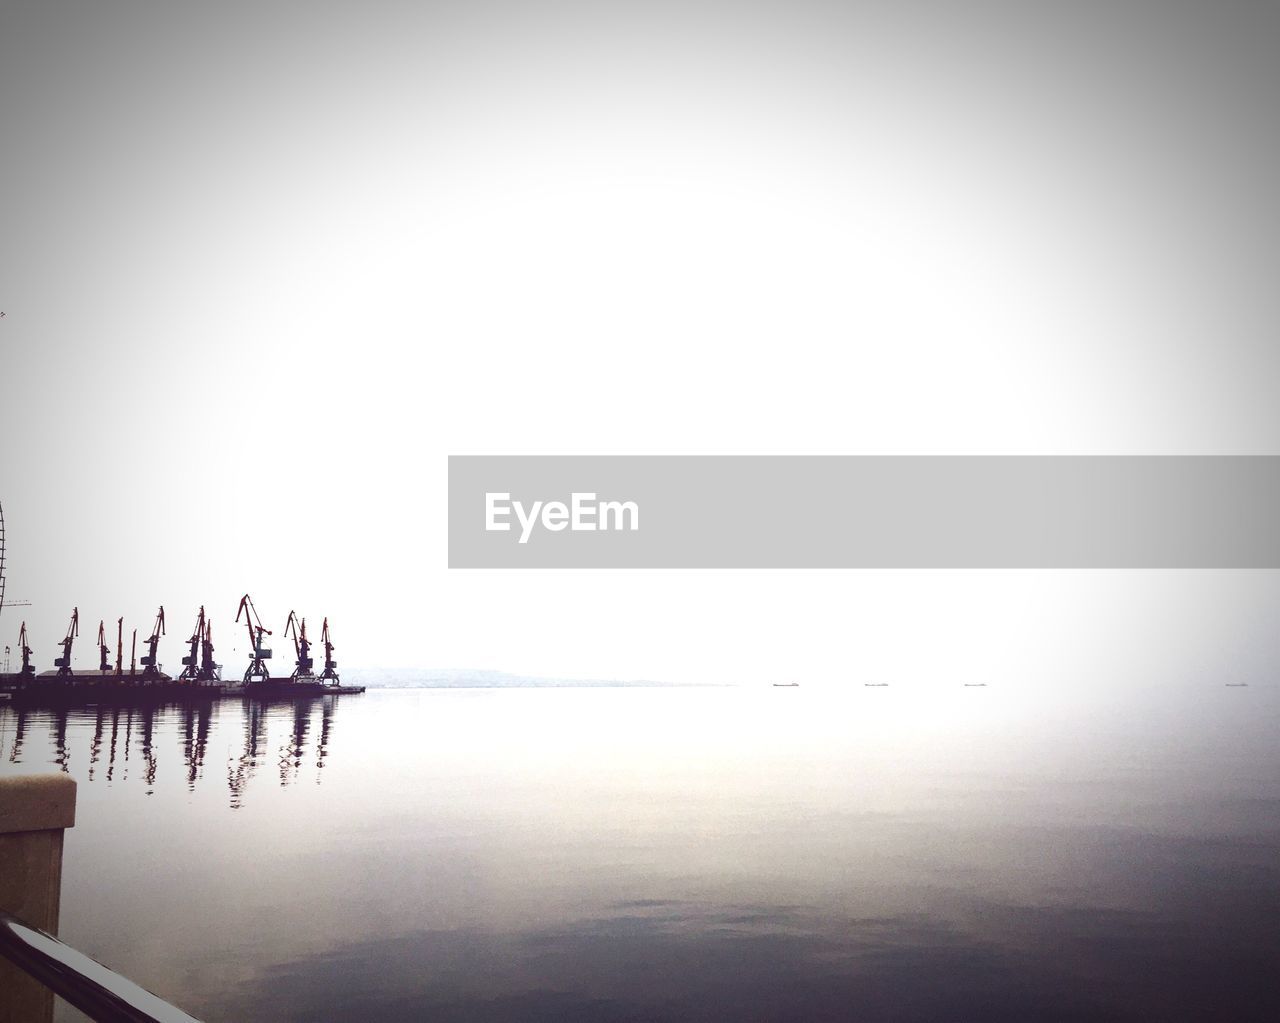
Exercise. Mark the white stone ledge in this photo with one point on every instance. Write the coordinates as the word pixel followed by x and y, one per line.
pixel 38 802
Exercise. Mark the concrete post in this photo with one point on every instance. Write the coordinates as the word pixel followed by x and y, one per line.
pixel 34 811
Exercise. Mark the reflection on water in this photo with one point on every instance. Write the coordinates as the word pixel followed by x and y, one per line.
pixel 111 739
pixel 638 854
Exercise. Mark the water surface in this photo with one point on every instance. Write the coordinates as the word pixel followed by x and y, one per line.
pixel 680 854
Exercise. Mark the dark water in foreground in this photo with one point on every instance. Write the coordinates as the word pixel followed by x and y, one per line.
pixel 669 854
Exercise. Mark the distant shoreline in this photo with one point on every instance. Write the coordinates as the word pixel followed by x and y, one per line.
pixel 463 678
pixel 549 685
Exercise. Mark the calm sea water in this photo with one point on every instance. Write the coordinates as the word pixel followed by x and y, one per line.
pixel 681 854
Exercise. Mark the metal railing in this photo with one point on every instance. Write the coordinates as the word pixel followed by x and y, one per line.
pixel 99 993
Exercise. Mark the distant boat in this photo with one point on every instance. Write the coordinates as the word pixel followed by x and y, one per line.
pixel 975 685
pixel 1237 685
pixel 786 685
pixel 875 685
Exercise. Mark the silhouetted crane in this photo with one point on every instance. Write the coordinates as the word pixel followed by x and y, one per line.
pixel 257 671
pixel 28 672
pixel 301 647
pixel 63 663
pixel 119 646
pixel 330 673
pixel 150 666
pixel 191 663
pixel 104 651
pixel 209 672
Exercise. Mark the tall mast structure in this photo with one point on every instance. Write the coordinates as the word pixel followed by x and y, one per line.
pixel 14 603
pixel 1 558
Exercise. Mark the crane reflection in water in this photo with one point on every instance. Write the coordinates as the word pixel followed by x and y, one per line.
pixel 112 744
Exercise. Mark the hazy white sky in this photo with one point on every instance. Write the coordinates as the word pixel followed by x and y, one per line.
pixel 266 265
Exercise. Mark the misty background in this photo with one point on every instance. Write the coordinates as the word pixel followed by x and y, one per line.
pixel 263 267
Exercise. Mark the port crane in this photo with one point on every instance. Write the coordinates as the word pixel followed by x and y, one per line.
pixel 28 672
pixel 119 646
pixel 63 663
pixel 209 672
pixel 191 663
pixel 198 665
pixel 297 627
pixel 150 667
pixel 330 673
pixel 104 651
pixel 257 671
